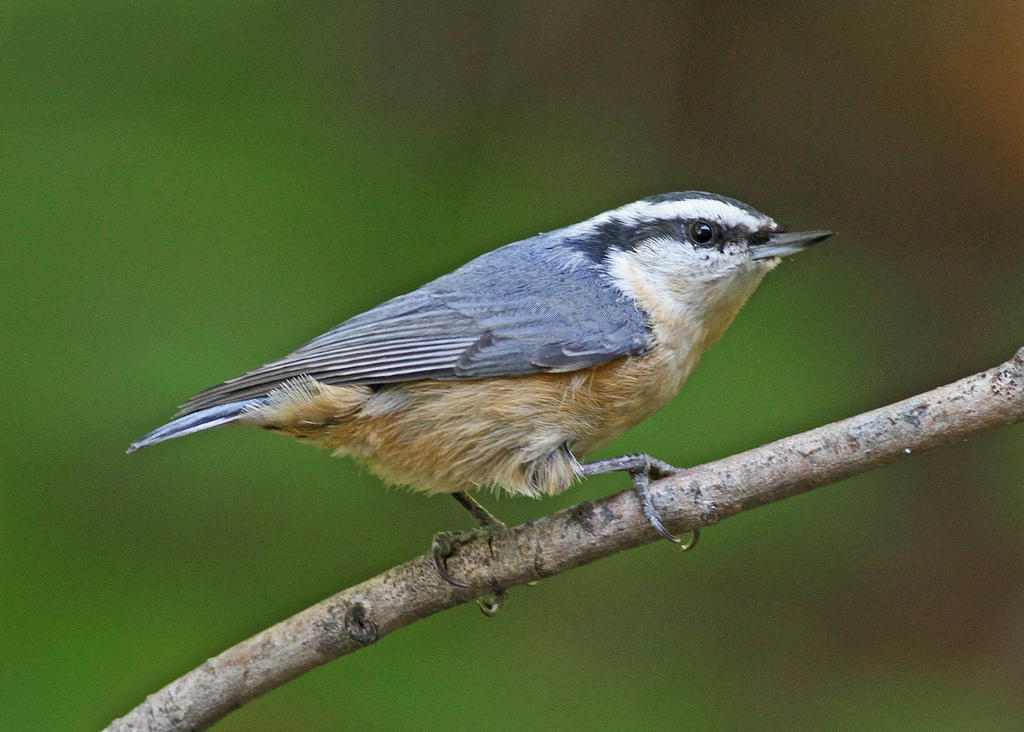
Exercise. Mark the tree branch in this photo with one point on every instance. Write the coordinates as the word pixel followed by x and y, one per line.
pixel 700 496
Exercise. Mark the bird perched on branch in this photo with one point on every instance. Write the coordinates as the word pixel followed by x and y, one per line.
pixel 507 371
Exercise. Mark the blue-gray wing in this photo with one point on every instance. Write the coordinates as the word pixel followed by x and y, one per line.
pixel 529 307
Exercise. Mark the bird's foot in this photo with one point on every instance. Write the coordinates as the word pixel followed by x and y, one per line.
pixel 446 543
pixel 642 468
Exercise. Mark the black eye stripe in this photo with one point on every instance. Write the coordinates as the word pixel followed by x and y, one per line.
pixel 626 235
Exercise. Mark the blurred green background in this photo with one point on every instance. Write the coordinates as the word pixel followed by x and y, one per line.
pixel 190 189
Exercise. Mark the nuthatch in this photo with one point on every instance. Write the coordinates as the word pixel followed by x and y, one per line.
pixel 507 371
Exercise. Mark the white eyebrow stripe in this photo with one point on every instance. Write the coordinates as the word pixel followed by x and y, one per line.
pixel 723 212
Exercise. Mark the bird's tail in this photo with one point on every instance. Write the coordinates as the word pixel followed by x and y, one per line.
pixel 204 419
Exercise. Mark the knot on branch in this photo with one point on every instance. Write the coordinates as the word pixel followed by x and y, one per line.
pixel 358 625
pixel 342 625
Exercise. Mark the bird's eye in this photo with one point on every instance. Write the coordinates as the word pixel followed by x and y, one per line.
pixel 703 233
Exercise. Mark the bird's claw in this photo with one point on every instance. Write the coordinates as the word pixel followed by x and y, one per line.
pixel 445 544
pixel 641 476
pixel 491 605
pixel 642 468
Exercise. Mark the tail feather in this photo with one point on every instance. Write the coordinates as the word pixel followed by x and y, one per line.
pixel 204 419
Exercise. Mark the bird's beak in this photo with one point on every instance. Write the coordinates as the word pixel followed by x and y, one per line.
pixel 779 245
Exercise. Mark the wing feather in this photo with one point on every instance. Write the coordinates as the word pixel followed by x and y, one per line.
pixel 534 306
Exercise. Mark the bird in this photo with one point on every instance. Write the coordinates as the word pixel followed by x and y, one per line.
pixel 507 371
